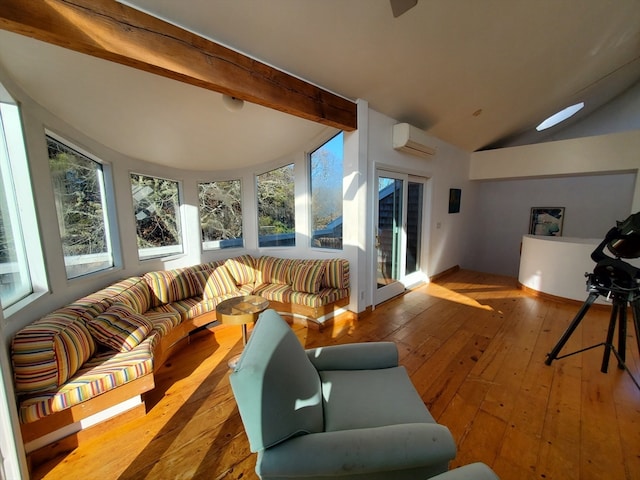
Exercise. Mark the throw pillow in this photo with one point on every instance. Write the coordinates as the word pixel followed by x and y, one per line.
pixel 120 328
pixel 216 283
pixel 307 277
pixel 49 351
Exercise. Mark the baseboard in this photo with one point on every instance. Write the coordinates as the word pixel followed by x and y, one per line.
pixel 444 273
pixel 554 298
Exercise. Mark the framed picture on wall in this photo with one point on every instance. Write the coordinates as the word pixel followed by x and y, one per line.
pixel 546 221
pixel 455 195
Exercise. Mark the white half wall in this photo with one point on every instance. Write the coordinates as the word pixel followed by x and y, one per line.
pixel 618 152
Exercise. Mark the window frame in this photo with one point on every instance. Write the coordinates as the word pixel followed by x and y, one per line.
pixel 311 232
pixel 19 174
pixel 166 251
pixel 278 244
pixel 108 204
pixel 216 245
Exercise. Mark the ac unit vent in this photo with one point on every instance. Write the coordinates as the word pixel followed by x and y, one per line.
pixel 409 139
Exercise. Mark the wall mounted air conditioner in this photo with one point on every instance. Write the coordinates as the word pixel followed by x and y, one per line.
pixel 409 139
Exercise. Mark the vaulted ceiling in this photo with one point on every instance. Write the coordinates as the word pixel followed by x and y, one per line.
pixel 475 74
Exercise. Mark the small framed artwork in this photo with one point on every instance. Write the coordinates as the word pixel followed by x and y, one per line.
pixel 454 200
pixel 546 221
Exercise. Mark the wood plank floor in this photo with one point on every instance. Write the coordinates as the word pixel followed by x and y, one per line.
pixel 475 347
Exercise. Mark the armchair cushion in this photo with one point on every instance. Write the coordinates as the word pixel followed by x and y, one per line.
pixel 278 385
pixel 354 356
pixel 395 452
pixel 347 398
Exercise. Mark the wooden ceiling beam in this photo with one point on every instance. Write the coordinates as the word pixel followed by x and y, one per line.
pixel 109 30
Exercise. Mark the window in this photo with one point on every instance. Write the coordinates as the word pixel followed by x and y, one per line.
pixel 326 194
pixel 221 214
pixel 276 208
pixel 80 200
pixel 156 205
pixel 15 279
pixel 22 270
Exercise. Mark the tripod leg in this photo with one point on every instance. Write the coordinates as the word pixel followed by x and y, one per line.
pixel 572 326
pixel 608 343
pixel 635 310
pixel 622 336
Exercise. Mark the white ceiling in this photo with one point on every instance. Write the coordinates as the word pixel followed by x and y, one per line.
pixel 473 73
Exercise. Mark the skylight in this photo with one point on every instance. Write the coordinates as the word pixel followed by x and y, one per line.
pixel 561 116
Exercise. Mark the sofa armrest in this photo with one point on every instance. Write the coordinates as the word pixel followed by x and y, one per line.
pixel 355 356
pixel 427 446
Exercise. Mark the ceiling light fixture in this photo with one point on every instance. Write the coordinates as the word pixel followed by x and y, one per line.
pixel 232 104
pixel 561 116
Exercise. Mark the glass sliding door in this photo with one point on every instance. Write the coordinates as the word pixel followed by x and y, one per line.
pixel 415 206
pixel 399 239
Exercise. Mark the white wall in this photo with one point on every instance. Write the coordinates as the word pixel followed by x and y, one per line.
pixel 595 178
pixel 617 152
pixel 592 205
pixel 447 234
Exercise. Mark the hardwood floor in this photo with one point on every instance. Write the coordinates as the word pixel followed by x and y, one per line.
pixel 475 347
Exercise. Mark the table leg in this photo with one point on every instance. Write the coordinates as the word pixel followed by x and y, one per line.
pixel 244 334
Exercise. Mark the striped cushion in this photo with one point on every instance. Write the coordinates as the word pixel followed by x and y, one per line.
pixel 116 288
pixel 324 297
pixel 137 296
pixel 275 292
pixel 274 270
pixel 89 306
pixel 336 274
pixel 169 286
pixel 163 321
pixel 307 276
pixel 184 306
pixel 102 373
pixel 49 351
pixel 120 328
pixel 242 269
pixel 216 283
pixel 206 306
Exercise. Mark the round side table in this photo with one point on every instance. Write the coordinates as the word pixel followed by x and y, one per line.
pixel 241 311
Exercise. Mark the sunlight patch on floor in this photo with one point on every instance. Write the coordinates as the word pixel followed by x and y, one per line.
pixel 452 296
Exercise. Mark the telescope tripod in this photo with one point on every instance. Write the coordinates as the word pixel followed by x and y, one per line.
pixel 620 297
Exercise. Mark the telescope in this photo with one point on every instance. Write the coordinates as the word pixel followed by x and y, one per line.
pixel 619 282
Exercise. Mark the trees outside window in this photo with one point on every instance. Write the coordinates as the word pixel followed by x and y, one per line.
pixel 221 214
pixel 79 193
pixel 156 206
pixel 326 167
pixel 276 207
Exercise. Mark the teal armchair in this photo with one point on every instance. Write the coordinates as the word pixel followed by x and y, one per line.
pixel 346 411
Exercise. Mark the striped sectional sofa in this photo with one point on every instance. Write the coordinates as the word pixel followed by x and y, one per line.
pixel 100 351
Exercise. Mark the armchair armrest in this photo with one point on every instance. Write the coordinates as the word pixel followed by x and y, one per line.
pixel 354 356
pixel 424 447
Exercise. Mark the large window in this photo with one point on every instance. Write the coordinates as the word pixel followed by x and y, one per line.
pixel 80 200
pixel 326 194
pixel 220 214
pixel 276 208
pixel 15 278
pixel 156 205
pixel 22 269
